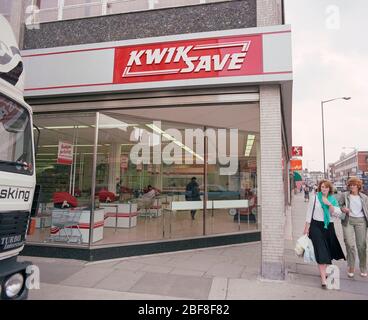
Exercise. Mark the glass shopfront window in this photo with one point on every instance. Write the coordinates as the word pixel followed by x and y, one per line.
pixel 152 168
pixel 64 163
pixel 148 157
pixel 227 190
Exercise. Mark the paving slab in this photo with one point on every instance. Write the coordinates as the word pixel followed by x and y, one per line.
pixel 154 260
pixel 243 289
pixel 87 277
pixel 37 260
pixel 187 272
pixel 120 280
pixel 173 285
pixel 225 270
pixel 218 289
pixel 58 292
pixel 157 269
pixel 56 272
pixel 130 265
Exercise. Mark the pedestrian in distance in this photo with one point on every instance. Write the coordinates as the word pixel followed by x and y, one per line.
pixel 192 193
pixel 306 193
pixel 354 204
pixel 320 229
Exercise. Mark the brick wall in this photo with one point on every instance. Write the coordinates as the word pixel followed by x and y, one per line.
pixel 272 202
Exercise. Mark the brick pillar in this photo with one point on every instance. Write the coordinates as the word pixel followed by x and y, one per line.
pixel 272 186
pixel 269 12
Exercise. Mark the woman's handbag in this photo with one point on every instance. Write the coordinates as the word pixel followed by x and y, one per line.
pixel 302 242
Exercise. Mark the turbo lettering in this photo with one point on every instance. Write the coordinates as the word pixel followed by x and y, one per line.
pixel 11 240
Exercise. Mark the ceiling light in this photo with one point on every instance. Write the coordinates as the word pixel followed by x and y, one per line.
pixel 249 145
pixel 169 137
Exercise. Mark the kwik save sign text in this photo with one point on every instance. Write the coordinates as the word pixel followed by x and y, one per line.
pixel 227 56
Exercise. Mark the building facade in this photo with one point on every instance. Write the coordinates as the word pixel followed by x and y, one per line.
pixel 131 94
pixel 313 177
pixel 352 164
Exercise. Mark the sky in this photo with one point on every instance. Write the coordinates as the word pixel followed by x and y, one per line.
pixel 330 60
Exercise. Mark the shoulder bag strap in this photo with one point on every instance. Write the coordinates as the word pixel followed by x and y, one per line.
pixel 314 205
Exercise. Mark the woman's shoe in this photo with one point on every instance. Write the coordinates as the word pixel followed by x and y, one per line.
pixel 351 274
pixel 363 274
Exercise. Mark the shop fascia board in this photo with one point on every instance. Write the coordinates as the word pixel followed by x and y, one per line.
pixel 276 65
pixel 168 85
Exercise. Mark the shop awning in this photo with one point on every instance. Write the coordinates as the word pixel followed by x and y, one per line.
pixel 297 176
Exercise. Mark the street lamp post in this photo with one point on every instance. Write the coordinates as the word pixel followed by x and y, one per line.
pixel 323 132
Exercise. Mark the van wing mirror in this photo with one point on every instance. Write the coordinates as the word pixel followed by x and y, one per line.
pixel 36 140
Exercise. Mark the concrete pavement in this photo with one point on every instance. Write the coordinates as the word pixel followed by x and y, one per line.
pixel 228 272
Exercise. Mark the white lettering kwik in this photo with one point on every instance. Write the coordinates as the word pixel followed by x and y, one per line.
pixel 134 57
pixel 182 53
pixel 197 63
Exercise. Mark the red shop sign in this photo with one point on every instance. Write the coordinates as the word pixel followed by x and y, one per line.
pixel 124 161
pixel 190 59
pixel 65 153
pixel 296 164
pixel 297 151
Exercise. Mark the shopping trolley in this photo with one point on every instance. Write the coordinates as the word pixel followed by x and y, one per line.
pixel 66 221
pixel 144 205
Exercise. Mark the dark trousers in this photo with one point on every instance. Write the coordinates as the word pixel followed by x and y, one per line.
pixel 192 213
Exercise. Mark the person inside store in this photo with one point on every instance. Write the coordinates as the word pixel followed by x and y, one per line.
pixel 147 199
pixel 64 200
pixel 150 192
pixel 192 193
pixel 320 229
pixel 354 204
pixel 106 196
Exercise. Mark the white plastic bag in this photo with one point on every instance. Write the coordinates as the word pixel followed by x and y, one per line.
pixel 309 256
pixel 301 244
